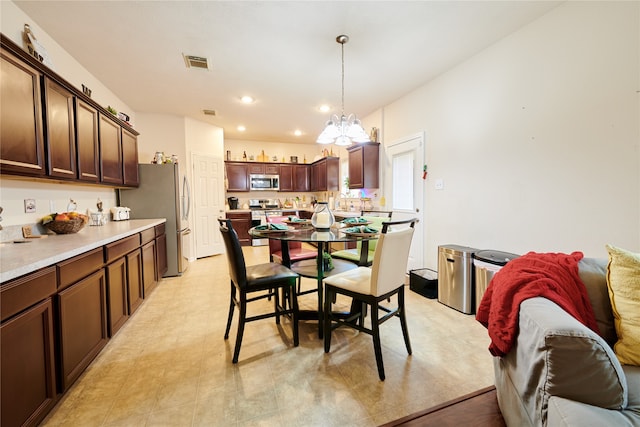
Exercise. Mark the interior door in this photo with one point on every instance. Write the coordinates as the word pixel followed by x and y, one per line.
pixel 208 203
pixel 405 160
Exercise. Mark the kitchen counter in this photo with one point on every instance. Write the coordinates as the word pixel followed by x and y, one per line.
pixel 18 259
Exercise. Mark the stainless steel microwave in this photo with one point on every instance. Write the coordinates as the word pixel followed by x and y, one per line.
pixel 264 182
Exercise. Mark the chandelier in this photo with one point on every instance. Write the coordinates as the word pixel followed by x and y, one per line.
pixel 343 130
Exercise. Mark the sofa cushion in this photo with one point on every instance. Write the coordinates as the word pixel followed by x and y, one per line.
pixel 565 412
pixel 623 280
pixel 593 272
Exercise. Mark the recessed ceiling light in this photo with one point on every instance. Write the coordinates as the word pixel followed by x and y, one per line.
pixel 241 128
pixel 297 132
pixel 247 99
pixel 324 108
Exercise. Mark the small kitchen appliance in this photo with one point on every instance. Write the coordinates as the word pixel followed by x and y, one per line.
pixel 120 213
pixel 233 202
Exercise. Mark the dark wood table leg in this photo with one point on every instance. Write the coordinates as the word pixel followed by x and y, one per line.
pixel 320 264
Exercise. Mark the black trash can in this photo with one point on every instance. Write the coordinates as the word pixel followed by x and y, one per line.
pixel 424 281
pixel 486 264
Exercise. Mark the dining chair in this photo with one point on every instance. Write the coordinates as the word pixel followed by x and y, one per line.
pixel 371 286
pixel 356 255
pixel 264 279
pixel 297 252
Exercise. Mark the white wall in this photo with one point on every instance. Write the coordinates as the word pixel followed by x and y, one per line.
pixel 536 138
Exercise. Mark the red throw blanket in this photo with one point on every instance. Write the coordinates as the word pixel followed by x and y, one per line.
pixel 551 275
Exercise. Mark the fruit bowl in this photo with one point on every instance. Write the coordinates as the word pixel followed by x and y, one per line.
pixel 65 223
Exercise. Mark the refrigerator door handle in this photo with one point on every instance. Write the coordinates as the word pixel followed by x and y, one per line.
pixel 186 191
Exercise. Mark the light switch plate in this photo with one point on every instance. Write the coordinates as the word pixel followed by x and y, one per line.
pixel 29 205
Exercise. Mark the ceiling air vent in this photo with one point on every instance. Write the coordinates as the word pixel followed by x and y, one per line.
pixel 192 61
pixel 209 112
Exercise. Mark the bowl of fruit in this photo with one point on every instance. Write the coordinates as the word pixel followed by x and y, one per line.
pixel 65 222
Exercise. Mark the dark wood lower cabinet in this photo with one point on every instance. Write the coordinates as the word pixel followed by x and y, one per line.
pixel 161 255
pixel 117 294
pixel 135 286
pixel 82 311
pixel 28 369
pixel 149 267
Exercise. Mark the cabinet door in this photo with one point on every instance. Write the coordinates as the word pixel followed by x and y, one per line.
pixel 87 142
pixel 135 286
pixel 28 377
pixel 363 166
pixel 301 176
pixel 83 325
pixel 117 295
pixel 257 168
pixel 162 264
pixel 21 132
pixel 60 129
pixel 110 151
pixel 241 223
pixel 237 176
pixel 130 158
pixel 149 267
pixel 271 169
pixel 286 177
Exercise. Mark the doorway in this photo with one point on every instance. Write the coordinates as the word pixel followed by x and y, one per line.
pixel 208 202
pixel 405 160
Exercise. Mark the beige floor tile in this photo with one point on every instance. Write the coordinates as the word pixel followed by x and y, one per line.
pixel 170 366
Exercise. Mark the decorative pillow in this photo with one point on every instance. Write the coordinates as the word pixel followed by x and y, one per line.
pixel 623 281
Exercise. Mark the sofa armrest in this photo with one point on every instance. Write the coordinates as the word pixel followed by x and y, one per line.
pixel 555 355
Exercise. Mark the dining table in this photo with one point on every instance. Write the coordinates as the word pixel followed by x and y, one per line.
pixel 315 268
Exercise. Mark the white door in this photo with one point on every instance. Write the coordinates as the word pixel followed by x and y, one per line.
pixel 208 202
pixel 405 160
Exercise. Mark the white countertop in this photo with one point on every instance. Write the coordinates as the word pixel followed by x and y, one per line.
pixel 17 259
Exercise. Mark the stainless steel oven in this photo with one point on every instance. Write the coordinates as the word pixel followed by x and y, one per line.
pixel 264 182
pixel 259 207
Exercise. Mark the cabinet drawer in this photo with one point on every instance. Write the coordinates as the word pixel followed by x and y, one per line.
pixel 160 229
pixel 122 247
pixel 147 235
pixel 74 269
pixel 26 291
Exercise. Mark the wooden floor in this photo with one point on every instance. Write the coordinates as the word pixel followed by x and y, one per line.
pixel 477 409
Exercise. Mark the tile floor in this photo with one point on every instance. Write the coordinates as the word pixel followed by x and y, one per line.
pixel 170 366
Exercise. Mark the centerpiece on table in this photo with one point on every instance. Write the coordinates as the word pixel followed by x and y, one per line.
pixel 322 218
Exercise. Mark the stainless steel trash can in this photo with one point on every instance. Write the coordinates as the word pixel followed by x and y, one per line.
pixel 455 277
pixel 486 264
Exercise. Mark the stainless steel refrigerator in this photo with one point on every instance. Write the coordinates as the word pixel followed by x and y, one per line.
pixel 163 193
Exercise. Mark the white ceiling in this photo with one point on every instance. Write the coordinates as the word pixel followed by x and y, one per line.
pixel 284 54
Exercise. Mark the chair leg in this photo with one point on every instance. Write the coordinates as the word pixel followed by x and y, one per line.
pixel 403 320
pixel 328 297
pixel 232 306
pixel 276 299
pixel 293 303
pixel 241 321
pixel 375 332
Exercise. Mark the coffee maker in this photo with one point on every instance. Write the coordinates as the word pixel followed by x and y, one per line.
pixel 233 202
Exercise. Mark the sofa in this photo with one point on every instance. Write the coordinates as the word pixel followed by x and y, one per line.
pixel 561 373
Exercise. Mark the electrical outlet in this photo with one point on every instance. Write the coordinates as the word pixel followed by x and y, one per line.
pixel 439 184
pixel 29 205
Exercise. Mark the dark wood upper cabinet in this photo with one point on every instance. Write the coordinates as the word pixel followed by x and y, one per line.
pixel 364 165
pixel 237 176
pixel 325 174
pixel 60 131
pixel 130 158
pixel 87 142
pixel 286 177
pixel 301 177
pixel 110 151
pixel 21 133
pixel 50 129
